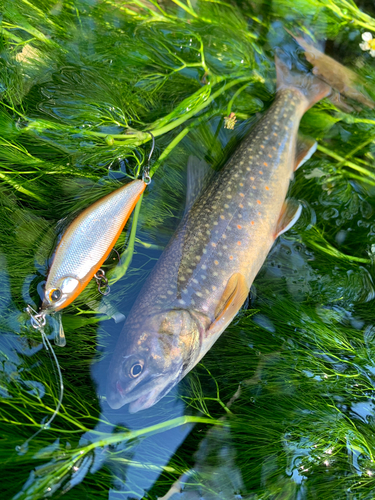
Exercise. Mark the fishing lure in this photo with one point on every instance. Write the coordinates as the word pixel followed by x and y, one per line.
pixel 83 248
pixel 86 244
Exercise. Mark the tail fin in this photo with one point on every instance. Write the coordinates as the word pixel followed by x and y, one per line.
pixel 344 80
pixel 309 85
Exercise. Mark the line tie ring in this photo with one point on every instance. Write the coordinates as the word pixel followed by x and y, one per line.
pixel 38 320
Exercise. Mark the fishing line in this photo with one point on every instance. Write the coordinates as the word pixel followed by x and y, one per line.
pixel 38 322
pixel 146 172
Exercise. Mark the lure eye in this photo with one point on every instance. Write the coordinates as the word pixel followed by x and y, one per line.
pixel 55 294
pixel 136 369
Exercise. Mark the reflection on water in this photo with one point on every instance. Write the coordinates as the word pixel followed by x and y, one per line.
pixel 282 406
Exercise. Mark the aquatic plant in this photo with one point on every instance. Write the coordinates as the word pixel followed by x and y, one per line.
pixel 285 398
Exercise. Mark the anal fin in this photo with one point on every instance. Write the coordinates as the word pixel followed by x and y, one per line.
pixel 306 147
pixel 288 217
pixel 234 296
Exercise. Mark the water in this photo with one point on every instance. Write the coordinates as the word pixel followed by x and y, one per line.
pixel 282 406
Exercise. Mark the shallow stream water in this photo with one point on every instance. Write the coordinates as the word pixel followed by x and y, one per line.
pixel 282 407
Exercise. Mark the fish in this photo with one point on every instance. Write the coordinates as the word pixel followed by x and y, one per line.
pixel 345 81
pixel 205 273
pixel 86 244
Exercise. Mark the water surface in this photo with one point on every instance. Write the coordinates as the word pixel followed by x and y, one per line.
pixel 282 406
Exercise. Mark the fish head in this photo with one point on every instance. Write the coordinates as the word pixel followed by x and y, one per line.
pixel 60 294
pixel 158 351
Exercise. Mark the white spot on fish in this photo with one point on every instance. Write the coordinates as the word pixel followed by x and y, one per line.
pixel 199 294
pixel 182 302
pixel 204 267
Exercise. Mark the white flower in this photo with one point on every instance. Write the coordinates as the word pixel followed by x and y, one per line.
pixel 368 43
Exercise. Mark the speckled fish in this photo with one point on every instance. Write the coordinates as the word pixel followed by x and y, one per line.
pixel 204 275
pixel 86 244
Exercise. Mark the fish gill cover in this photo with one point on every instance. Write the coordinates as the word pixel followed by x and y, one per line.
pixel 282 406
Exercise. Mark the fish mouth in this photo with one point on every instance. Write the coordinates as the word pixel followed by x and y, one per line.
pixel 144 395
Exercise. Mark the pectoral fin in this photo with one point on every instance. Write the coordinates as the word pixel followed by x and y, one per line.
pixel 289 215
pixel 306 147
pixel 234 296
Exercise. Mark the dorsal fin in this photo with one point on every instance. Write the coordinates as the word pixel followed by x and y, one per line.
pixel 198 175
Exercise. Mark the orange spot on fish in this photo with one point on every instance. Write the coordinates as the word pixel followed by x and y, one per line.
pixel 238 243
pixel 251 178
pixel 222 217
pixel 273 147
pixel 216 262
pixel 262 146
pixel 213 244
pixel 259 202
pixel 267 188
pixel 253 187
pixel 252 222
pixel 230 257
pixel 261 173
pixel 240 205
pixel 259 213
pixel 241 194
pixel 241 184
pixel 275 134
pixel 239 227
pixel 265 164
pixel 213 287
pixel 270 156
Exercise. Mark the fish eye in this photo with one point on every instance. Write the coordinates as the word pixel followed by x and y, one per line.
pixel 136 369
pixel 55 294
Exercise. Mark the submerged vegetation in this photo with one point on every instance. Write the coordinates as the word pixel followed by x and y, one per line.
pixel 283 405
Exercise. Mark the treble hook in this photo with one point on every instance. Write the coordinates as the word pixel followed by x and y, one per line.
pixel 146 172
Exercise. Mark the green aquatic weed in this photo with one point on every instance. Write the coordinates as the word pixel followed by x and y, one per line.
pixel 286 394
